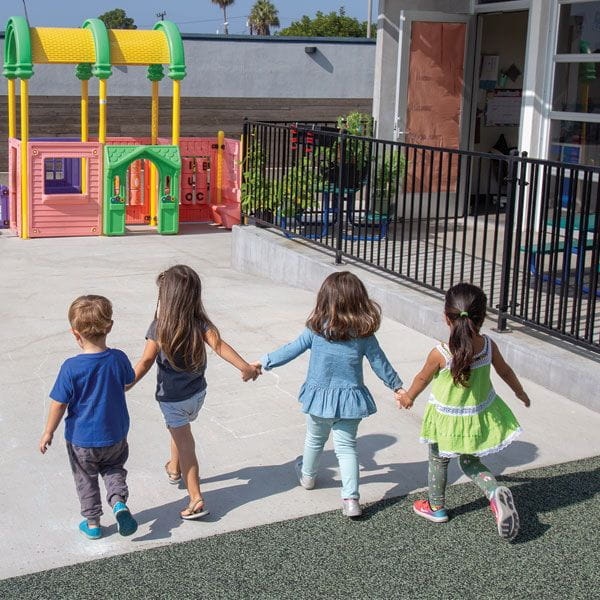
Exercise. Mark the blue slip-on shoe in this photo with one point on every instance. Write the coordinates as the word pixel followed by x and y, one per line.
pixel 127 524
pixel 91 533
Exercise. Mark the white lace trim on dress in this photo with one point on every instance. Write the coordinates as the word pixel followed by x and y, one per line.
pixel 493 450
pixel 463 411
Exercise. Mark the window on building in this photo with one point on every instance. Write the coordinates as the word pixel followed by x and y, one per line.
pixel 575 125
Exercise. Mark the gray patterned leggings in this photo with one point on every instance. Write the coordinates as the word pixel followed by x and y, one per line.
pixel 471 466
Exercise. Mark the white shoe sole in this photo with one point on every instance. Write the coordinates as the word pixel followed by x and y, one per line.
pixel 308 483
pixel 430 517
pixel 507 517
pixel 195 516
pixel 351 513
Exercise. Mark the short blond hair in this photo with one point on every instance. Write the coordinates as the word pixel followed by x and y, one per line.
pixel 91 315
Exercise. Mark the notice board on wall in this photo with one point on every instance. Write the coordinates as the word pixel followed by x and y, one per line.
pixel 503 107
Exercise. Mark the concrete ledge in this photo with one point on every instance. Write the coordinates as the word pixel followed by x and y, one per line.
pixel 561 367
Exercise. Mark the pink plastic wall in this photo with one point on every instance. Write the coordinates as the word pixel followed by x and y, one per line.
pixel 65 214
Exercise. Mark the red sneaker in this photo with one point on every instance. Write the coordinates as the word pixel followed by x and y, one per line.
pixel 423 509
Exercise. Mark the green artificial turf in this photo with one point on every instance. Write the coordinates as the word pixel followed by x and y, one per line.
pixel 388 553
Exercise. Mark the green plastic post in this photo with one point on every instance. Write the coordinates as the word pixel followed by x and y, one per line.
pixel 117 160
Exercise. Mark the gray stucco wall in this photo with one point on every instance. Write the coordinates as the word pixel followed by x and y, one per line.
pixel 238 67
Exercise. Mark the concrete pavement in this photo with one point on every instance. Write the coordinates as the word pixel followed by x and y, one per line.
pixel 248 434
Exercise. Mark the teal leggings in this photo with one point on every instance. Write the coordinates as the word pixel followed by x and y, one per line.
pixel 344 443
pixel 471 466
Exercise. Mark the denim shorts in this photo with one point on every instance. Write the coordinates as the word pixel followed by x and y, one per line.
pixel 178 414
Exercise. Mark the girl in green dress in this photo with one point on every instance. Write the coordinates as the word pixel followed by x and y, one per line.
pixel 465 418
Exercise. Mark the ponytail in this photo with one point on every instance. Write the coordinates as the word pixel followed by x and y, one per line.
pixel 465 310
pixel 462 331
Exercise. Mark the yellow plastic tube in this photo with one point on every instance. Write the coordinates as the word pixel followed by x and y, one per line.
pixel 12 109
pixel 220 145
pixel 176 112
pixel 154 140
pixel 102 111
pixel 24 152
pixel 84 131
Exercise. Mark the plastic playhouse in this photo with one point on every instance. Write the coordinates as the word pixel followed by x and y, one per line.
pixel 99 185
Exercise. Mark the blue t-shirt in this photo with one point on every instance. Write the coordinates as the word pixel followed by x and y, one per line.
pixel 93 385
pixel 175 384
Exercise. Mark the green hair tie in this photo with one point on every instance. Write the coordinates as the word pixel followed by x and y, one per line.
pixel 463 313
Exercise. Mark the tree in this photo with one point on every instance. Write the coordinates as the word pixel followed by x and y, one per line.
pixel 262 17
pixel 224 4
pixel 117 19
pixel 330 25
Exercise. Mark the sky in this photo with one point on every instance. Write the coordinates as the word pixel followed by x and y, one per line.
pixel 192 16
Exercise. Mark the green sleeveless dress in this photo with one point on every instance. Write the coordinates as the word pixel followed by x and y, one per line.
pixel 468 420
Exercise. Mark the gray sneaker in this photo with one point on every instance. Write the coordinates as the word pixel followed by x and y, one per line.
pixel 308 483
pixel 351 507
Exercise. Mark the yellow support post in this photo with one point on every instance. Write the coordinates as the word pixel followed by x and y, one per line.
pixel 176 112
pixel 12 109
pixel 102 111
pixel 24 153
pixel 153 172
pixel 220 146
pixel 84 131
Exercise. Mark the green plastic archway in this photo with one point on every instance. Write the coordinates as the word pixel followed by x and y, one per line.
pixel 117 160
pixel 177 64
pixel 17 49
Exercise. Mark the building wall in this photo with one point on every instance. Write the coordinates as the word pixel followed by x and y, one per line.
pixel 240 67
pixel 228 80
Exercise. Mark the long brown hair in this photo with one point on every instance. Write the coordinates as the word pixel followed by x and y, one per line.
pixel 465 309
pixel 181 319
pixel 344 309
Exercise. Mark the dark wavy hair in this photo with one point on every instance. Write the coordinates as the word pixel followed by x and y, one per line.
pixel 344 309
pixel 181 319
pixel 465 308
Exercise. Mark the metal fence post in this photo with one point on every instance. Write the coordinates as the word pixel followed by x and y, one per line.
pixel 340 196
pixel 506 268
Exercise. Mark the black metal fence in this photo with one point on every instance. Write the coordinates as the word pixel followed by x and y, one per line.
pixel 525 230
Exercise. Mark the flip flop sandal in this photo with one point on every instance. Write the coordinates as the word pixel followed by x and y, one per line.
pixel 174 478
pixel 195 510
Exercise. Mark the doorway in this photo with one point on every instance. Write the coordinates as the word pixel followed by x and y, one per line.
pixel 498 81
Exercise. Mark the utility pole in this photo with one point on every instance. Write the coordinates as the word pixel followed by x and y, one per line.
pixel 161 15
pixel 25 9
pixel 370 11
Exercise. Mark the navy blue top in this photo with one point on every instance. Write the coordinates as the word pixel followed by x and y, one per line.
pixel 93 386
pixel 334 386
pixel 173 385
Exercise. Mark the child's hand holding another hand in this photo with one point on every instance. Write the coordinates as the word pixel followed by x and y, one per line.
pixel 251 371
pixel 403 400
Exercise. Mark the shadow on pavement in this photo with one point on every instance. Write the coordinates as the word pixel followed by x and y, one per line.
pixel 263 481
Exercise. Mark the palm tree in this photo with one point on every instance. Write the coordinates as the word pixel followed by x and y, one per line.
pixel 263 16
pixel 224 4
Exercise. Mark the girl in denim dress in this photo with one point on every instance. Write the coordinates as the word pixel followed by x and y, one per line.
pixel 339 334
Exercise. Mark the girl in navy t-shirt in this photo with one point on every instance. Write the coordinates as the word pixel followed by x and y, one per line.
pixel 176 341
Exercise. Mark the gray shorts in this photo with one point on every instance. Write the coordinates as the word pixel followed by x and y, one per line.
pixel 178 414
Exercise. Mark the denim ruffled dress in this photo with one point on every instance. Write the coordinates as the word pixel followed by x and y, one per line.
pixel 334 386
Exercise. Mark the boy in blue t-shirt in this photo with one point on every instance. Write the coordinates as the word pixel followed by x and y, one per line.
pixel 92 386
